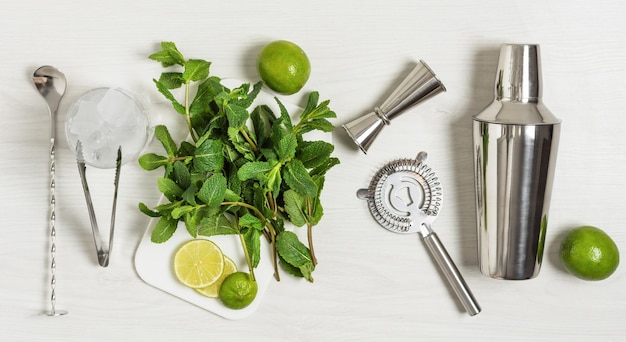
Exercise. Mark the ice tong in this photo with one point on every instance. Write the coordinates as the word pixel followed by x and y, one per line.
pixel 102 253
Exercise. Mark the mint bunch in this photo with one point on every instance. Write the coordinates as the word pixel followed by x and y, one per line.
pixel 242 171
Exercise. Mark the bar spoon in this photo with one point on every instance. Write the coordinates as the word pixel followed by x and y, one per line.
pixel 51 83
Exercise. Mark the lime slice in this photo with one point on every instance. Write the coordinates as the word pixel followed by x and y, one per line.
pixel 198 263
pixel 213 290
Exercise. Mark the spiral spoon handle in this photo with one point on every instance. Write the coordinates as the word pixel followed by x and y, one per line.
pixel 51 83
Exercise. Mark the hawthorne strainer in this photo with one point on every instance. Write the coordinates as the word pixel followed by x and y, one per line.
pixel 405 196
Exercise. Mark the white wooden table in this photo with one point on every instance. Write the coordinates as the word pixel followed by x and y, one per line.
pixel 370 285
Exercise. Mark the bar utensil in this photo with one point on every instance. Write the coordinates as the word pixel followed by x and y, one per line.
pixel 515 141
pixel 51 84
pixel 419 85
pixel 405 196
pixel 103 253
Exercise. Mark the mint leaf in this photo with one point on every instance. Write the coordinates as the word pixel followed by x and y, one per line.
pixel 164 90
pixel 231 196
pixel 163 230
pixel 237 116
pixel 316 205
pixel 181 174
pixel 152 161
pixel 324 167
pixel 189 195
pixel 313 154
pixel 274 180
pixel 171 80
pixel 192 219
pixel 295 206
pixel 239 143
pixel 284 115
pixel 294 271
pixel 314 111
pixel 213 190
pixel 169 55
pixel 205 93
pixel 164 57
pixel 250 221
pixel 317 124
pixel 295 253
pixel 208 156
pixel 169 188
pixel 196 70
pixel 144 209
pixel 254 170
pixel 311 103
pixel 251 96
pixel 298 178
pixel 286 148
pixel 163 135
pixel 252 239
pixel 216 225
pixel 258 117
pixel 314 116
pixel 190 224
pixel 182 210
pixel 166 208
pixel 186 149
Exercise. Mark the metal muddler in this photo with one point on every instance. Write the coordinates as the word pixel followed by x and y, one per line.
pixel 420 85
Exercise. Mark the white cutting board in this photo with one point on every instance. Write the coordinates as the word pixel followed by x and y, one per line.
pixel 154 262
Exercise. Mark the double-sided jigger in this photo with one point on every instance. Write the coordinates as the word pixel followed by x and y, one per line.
pixel 420 85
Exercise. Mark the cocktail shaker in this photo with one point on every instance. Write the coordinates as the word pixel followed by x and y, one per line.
pixel 515 141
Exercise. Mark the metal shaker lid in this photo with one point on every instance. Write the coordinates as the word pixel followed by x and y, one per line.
pixel 518 89
pixel 519 73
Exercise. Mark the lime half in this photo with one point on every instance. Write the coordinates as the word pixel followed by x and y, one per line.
pixel 238 290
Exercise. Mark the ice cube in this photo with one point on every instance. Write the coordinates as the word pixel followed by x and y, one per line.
pixel 131 138
pixel 96 140
pixel 104 119
pixel 115 107
pixel 86 121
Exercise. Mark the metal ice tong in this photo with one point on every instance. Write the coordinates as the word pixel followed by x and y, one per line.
pixel 103 253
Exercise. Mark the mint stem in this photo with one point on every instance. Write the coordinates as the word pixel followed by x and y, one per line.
pixel 247 254
pixel 310 233
pixel 188 113
pixel 270 227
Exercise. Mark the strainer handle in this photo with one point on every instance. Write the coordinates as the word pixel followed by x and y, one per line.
pixel 454 277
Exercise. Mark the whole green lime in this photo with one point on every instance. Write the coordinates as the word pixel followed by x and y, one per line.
pixel 589 253
pixel 283 66
pixel 238 290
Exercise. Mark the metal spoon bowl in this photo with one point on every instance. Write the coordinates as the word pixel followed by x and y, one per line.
pixel 51 83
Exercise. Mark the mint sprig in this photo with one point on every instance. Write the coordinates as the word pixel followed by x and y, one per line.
pixel 244 171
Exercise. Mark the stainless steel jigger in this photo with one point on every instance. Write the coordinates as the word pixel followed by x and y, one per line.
pixel 420 85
